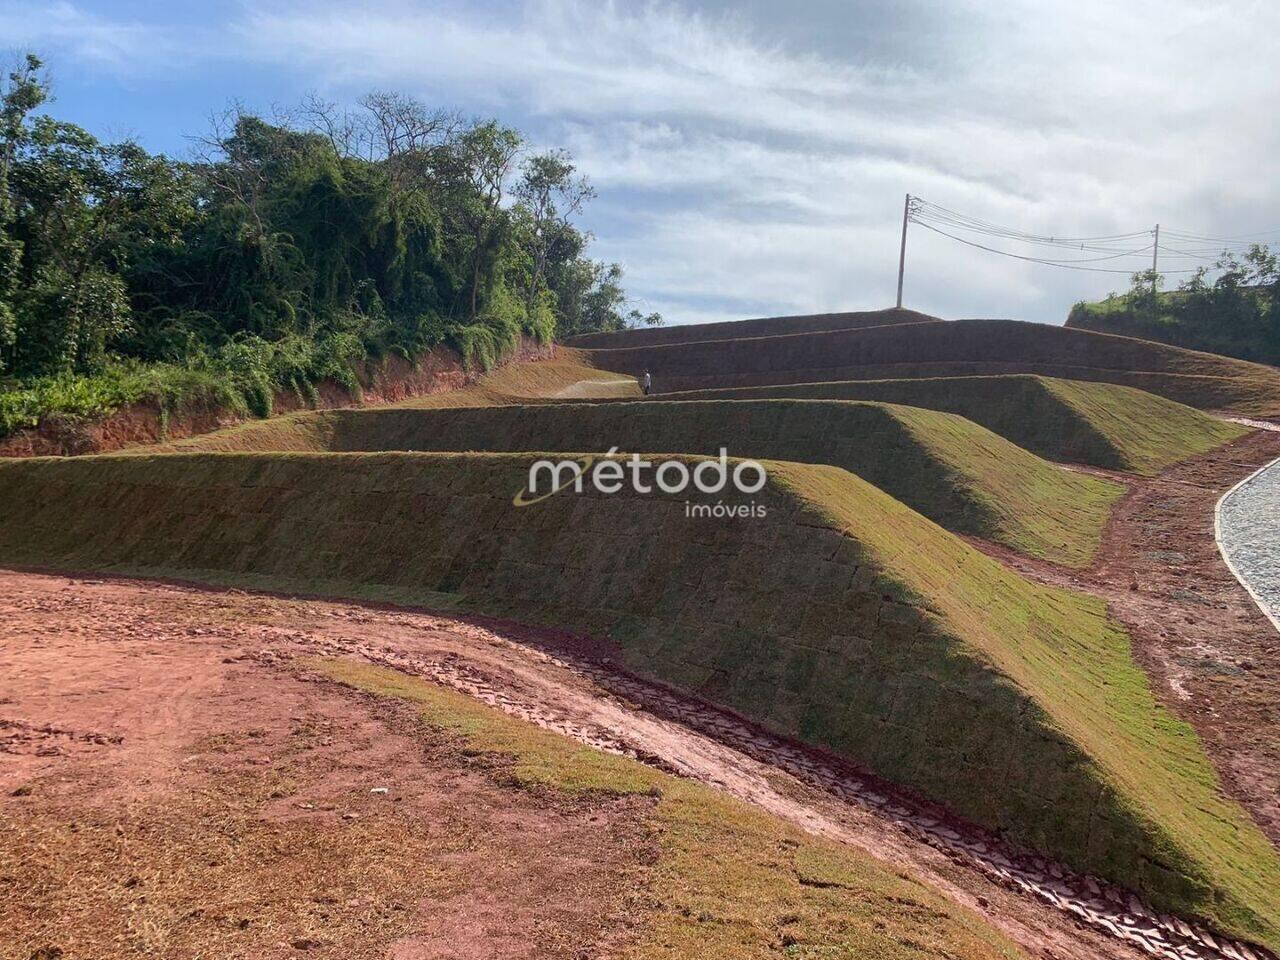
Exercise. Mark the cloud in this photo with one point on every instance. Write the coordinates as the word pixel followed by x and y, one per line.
pixel 754 159
pixel 63 27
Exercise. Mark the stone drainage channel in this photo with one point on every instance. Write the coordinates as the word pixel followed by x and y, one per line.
pixel 1092 902
pixel 1247 525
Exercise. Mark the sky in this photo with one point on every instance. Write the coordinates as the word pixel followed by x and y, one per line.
pixel 751 158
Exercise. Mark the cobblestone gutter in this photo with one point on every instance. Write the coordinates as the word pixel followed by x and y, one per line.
pixel 1248 532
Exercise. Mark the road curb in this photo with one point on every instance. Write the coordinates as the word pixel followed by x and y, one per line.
pixel 1222 550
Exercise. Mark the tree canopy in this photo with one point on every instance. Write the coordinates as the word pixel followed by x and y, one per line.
pixel 289 247
pixel 1236 313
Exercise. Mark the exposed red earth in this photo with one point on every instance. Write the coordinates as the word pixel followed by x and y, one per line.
pixel 148 725
pixel 389 380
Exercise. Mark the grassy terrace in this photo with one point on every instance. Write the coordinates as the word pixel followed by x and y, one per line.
pixel 760 327
pixel 953 471
pixel 960 348
pixel 843 617
pixel 1100 424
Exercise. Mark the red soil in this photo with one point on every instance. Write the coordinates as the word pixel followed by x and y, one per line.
pixel 388 381
pixel 168 770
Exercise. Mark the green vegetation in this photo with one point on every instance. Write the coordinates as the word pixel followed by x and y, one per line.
pixel 287 255
pixel 1100 424
pixel 953 349
pixel 1237 315
pixel 731 881
pixel 949 469
pixel 843 617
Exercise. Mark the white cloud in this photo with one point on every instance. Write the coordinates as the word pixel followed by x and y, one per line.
pixel 66 27
pixel 742 174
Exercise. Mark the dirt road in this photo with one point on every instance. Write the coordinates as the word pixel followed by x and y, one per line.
pixel 153 715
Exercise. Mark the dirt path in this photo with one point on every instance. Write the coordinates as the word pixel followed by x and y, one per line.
pixel 110 683
pixel 1213 657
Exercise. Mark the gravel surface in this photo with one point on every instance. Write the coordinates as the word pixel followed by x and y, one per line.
pixel 1249 536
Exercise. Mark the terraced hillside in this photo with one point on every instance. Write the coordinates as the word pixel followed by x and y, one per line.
pixel 1100 424
pixel 953 471
pixel 847 619
pixel 947 349
pixel 565 377
pixel 739 329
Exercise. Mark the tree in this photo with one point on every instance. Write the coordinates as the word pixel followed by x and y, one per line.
pixel 291 246
pixel 23 93
pixel 88 215
pixel 483 155
pixel 595 300
pixel 551 195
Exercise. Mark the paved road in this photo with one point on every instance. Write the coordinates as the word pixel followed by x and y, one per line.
pixel 1249 536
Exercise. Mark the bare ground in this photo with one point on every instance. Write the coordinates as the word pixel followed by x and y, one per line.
pixel 174 783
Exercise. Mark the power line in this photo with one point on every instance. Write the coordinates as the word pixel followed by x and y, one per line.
pixel 923 209
pixel 1066 264
pixel 1177 244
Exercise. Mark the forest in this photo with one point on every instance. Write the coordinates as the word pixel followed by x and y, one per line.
pixel 286 251
pixel 1236 313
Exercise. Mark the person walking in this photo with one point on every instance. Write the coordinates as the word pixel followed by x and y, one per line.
pixel 647 383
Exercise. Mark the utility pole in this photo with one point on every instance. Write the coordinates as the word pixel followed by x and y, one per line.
pixel 902 251
pixel 1155 258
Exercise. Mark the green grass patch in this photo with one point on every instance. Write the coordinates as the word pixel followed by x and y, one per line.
pixel 952 470
pixel 731 881
pixel 171 388
pixel 1072 421
pixel 949 349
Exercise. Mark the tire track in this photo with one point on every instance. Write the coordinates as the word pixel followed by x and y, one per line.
pixel 634 704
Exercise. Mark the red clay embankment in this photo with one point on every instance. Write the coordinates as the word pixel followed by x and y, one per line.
pixel 385 381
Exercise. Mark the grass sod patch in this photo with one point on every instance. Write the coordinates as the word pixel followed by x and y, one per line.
pixel 738 329
pixel 1076 664
pixel 844 618
pixel 731 881
pixel 953 471
pixel 955 348
pixel 1099 424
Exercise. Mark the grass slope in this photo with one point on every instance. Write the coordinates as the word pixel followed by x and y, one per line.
pixel 1100 424
pixel 567 377
pixel 957 473
pixel 730 881
pixel 843 617
pixel 736 329
pixel 962 348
